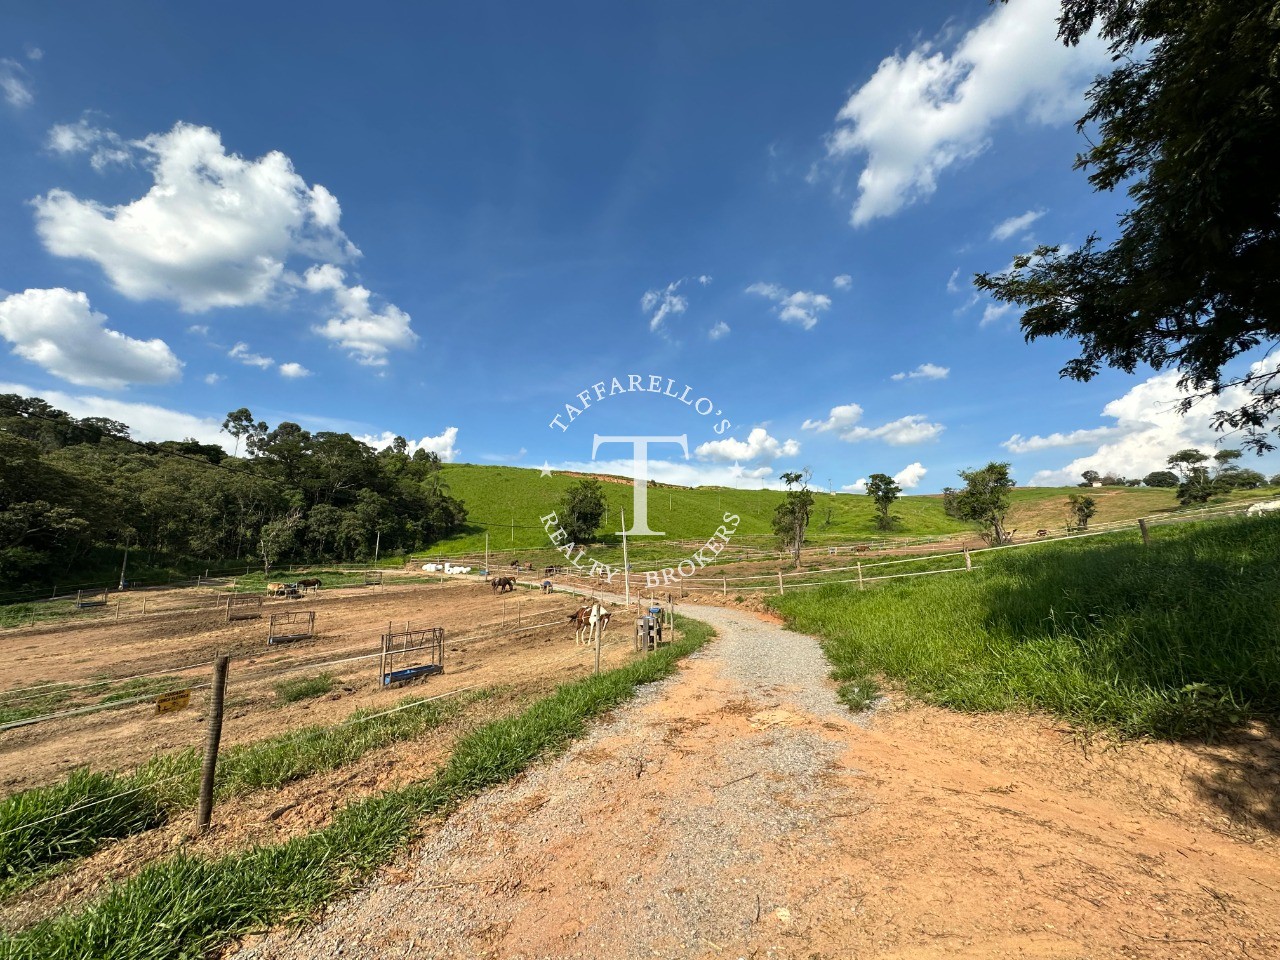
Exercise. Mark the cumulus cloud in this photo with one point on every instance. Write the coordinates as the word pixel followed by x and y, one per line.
pixel 103 147
pixel 293 371
pixel 213 378
pixel 909 477
pixel 1148 428
pixel 926 371
pixel 57 330
pixel 15 83
pixel 146 421
pixel 842 282
pixel 801 308
pixel 365 332
pixel 924 111
pixel 246 356
pixel 1020 444
pixel 215 230
pixel 858 486
pixel 687 473
pixel 1007 228
pixel 759 446
pixel 843 420
pixel 721 329
pixel 444 445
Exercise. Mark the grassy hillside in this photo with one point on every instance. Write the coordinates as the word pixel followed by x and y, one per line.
pixel 1179 639
pixel 507 502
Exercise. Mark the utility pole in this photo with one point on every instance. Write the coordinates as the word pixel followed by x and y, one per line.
pixel 626 567
pixel 377 545
pixel 486 551
pixel 123 565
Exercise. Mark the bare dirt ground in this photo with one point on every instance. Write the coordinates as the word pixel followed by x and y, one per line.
pixel 349 623
pixel 738 811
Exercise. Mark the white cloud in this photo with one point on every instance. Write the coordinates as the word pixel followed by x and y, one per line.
pixel 213 378
pixel 1020 444
pixel 721 329
pixel 104 147
pixel 242 353
pixel 146 421
pixel 15 83
pixel 687 473
pixel 704 279
pixel 952 286
pixel 842 282
pixel 294 370
pixel 909 477
pixel 363 331
pixel 759 446
pixel 199 329
pixel 660 304
pixel 57 330
pixel 445 445
pixel 922 112
pixel 858 486
pixel 926 371
pixel 33 52
pixel 994 313
pixel 214 230
pixel 1007 228
pixel 905 430
pixel 801 308
pixel 1148 428
pixel 840 418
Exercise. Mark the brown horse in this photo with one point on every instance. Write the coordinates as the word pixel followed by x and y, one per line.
pixel 309 583
pixel 503 584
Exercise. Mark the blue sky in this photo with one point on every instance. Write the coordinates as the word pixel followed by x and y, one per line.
pixel 445 223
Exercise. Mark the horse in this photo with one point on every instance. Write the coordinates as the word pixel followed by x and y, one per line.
pixel 502 584
pixel 309 583
pixel 587 617
pixel 282 589
pixel 1042 532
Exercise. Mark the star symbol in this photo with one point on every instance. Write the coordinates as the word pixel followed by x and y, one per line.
pixel 546 468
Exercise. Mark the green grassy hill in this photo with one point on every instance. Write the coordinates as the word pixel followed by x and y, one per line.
pixel 507 502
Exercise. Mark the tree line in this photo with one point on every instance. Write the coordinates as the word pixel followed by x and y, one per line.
pixel 75 492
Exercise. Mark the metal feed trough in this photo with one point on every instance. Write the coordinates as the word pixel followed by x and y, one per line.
pixel 420 653
pixel 244 607
pixel 296 625
pixel 373 578
pixel 91 598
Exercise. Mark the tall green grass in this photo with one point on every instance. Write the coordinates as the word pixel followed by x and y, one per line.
pixel 186 906
pixel 51 825
pixel 1181 639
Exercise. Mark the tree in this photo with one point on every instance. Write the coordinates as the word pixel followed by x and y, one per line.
pixel 791 518
pixel 581 510
pixel 1241 479
pixel 1091 477
pixel 1161 478
pixel 239 423
pixel 277 538
pixel 985 499
pixel 1189 125
pixel 1274 481
pixel 1080 509
pixel 1185 461
pixel 883 491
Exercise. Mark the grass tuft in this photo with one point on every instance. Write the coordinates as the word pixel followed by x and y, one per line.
pixel 304 688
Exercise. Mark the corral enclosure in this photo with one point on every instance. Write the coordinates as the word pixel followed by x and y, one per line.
pixel 112 670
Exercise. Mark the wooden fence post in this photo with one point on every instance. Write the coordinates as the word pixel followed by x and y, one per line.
pixel 210 763
pixel 117 611
pixel 724 586
pixel 780 590
pixel 968 560
pixel 1146 534
pixel 860 586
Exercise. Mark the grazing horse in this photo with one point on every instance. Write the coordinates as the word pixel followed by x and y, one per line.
pixel 861 548
pixel 282 589
pixel 309 583
pixel 586 618
pixel 1042 533
pixel 503 584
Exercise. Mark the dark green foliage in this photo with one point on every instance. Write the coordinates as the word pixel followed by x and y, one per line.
pixel 1161 478
pixel 1179 639
pixel 984 499
pixel 1080 509
pixel 581 511
pixel 304 688
pixel 74 492
pixel 883 490
pixel 1188 123
pixel 791 516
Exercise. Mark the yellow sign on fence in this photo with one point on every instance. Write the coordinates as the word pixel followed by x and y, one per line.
pixel 176 700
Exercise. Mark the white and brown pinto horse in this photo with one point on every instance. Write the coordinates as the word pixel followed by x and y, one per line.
pixel 587 619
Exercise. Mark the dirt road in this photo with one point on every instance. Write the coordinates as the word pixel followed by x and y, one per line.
pixel 737 810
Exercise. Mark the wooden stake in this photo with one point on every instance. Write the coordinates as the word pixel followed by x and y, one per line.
pixel 968 561
pixel 724 586
pixel 780 590
pixel 208 767
pixel 860 586
pixel 1146 534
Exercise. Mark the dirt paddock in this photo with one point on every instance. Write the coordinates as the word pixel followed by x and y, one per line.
pixel 482 647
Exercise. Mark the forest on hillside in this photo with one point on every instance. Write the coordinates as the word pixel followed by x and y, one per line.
pixel 74 493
